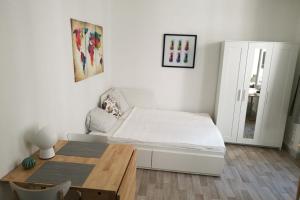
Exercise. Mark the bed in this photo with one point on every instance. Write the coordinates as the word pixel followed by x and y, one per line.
pixel 170 140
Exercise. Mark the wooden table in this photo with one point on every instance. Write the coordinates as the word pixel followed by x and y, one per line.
pixel 113 177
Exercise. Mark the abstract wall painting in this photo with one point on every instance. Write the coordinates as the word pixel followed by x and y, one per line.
pixel 179 50
pixel 87 42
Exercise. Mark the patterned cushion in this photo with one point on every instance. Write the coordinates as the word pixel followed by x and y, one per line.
pixel 110 105
pixel 117 95
pixel 121 100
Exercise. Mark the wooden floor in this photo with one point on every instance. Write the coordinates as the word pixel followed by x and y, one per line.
pixel 250 173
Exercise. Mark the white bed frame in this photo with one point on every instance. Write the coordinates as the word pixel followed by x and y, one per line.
pixel 175 160
pixel 206 163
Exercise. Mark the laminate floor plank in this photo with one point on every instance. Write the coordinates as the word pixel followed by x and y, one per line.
pixel 250 173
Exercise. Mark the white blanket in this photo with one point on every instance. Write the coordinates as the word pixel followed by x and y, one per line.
pixel 170 128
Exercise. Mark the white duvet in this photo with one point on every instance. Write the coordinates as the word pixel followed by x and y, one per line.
pixel 170 128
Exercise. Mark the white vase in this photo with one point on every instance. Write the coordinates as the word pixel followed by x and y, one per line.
pixel 45 139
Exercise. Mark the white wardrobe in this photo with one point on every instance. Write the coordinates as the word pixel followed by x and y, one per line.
pixel 255 82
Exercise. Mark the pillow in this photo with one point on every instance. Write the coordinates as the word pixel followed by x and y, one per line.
pixel 99 120
pixel 111 106
pixel 118 97
pixel 121 100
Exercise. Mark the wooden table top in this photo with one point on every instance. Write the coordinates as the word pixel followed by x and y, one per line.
pixel 107 174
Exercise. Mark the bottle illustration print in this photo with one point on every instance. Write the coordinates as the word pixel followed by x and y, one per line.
pixel 171 57
pixel 179 45
pixel 187 46
pixel 185 60
pixel 178 57
pixel 172 45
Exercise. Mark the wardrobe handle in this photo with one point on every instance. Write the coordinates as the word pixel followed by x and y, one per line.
pixel 267 97
pixel 243 95
pixel 239 95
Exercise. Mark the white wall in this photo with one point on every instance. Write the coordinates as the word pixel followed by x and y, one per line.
pixel 137 31
pixel 37 83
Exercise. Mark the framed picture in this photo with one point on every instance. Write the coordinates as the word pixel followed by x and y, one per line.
pixel 87 42
pixel 179 50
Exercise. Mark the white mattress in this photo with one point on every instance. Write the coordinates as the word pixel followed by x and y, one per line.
pixel 163 128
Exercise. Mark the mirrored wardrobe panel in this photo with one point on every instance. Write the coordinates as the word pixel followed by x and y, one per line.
pixel 254 89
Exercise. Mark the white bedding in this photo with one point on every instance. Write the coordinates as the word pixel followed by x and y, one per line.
pixel 169 128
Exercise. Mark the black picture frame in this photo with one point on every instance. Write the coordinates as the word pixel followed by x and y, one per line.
pixel 180 63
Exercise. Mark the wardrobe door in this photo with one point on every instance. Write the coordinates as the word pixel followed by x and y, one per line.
pixel 278 94
pixel 254 92
pixel 231 73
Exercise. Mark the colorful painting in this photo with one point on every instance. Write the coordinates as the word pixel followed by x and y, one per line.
pixel 87 42
pixel 179 50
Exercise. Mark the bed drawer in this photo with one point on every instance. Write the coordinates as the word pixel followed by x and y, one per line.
pixel 188 162
pixel 144 157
